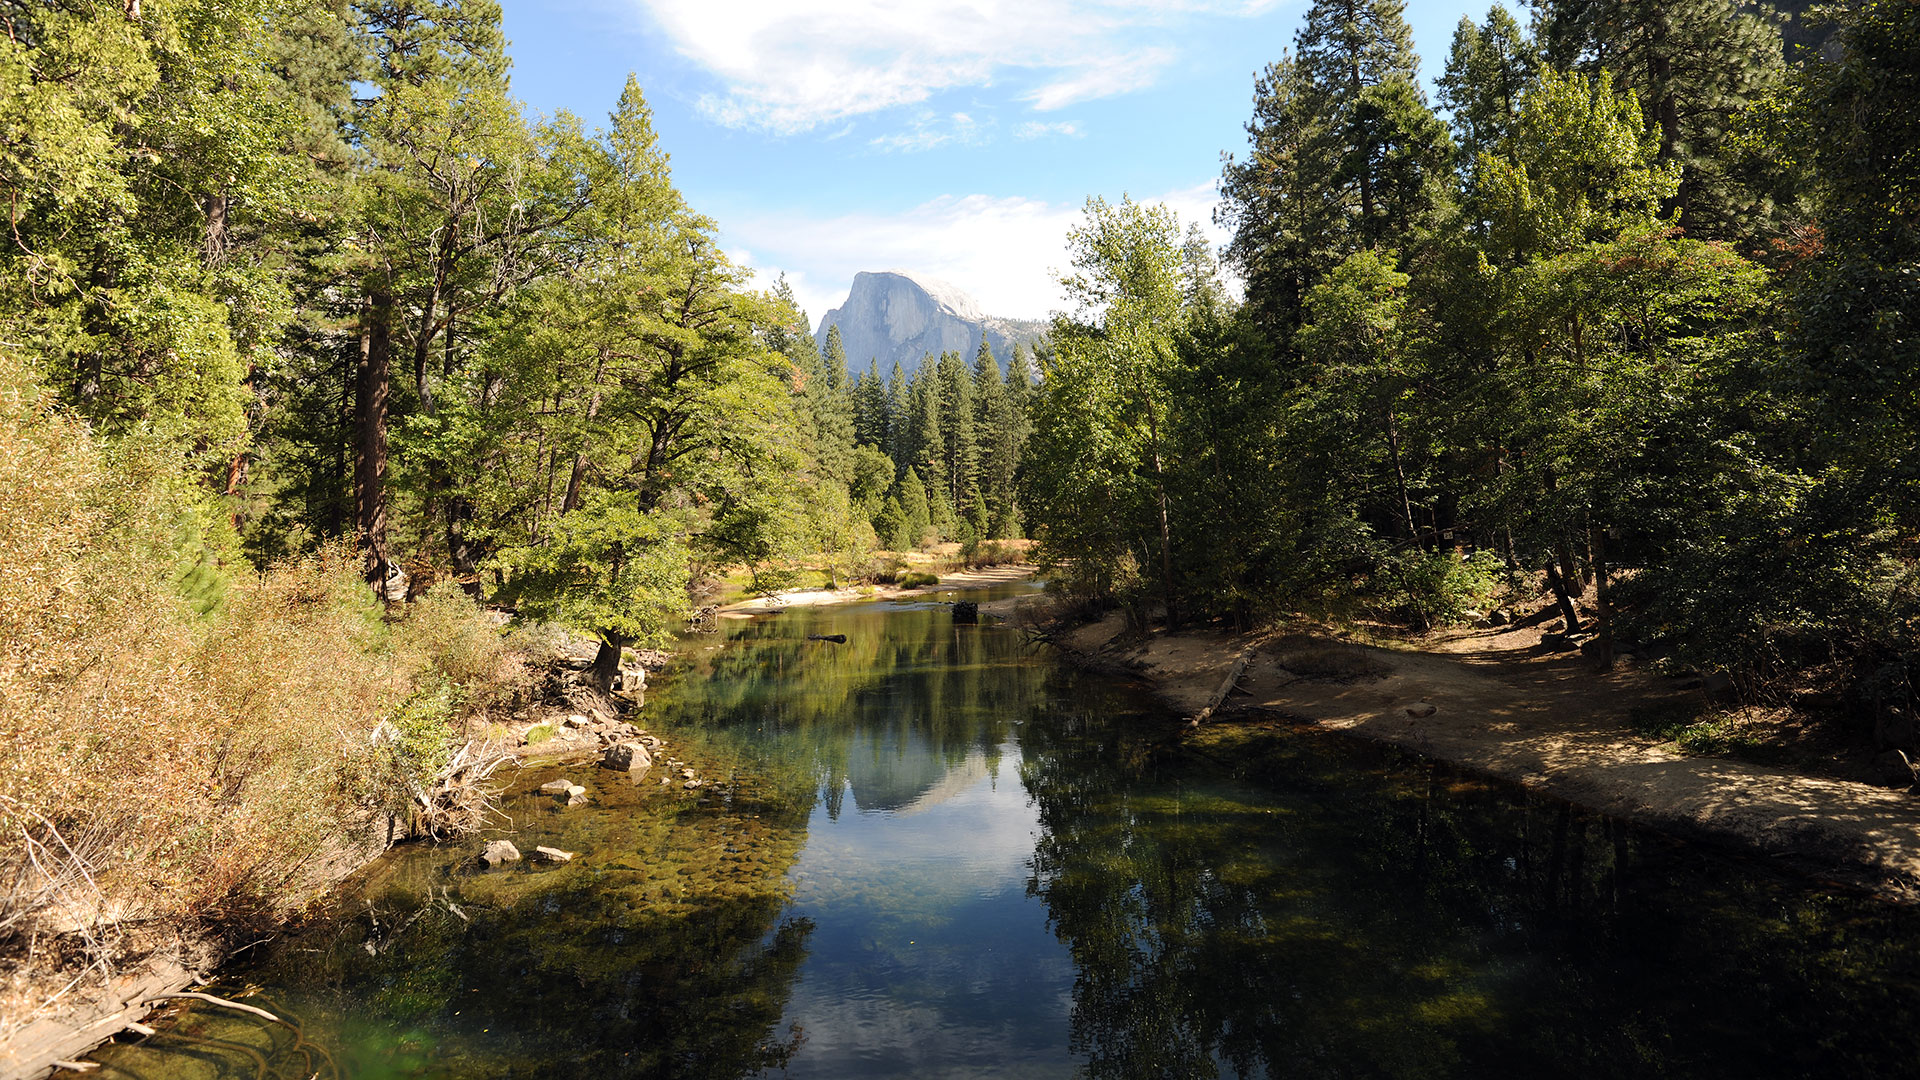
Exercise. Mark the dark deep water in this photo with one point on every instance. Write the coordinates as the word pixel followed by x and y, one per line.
pixel 935 851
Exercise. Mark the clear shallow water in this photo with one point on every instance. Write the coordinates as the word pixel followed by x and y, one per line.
pixel 936 852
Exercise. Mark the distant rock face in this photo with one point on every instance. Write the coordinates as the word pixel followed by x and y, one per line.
pixel 893 315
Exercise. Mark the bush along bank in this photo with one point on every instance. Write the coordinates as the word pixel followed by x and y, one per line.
pixel 193 753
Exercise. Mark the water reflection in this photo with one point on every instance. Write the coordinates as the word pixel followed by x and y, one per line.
pixel 1303 906
pixel 942 854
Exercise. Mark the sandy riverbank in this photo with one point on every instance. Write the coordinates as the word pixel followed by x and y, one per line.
pixel 983 578
pixel 1504 706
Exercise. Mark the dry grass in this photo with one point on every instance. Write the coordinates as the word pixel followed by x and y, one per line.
pixel 168 769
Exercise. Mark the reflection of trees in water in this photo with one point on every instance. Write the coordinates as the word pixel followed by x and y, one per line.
pixel 1360 913
pixel 908 699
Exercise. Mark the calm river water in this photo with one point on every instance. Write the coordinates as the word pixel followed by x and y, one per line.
pixel 936 851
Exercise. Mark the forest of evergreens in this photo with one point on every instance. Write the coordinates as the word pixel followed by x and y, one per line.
pixel 303 315
pixel 1632 311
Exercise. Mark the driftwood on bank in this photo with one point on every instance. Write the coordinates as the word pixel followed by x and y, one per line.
pixel 460 799
pixel 1226 686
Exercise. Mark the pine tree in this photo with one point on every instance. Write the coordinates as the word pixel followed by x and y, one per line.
pixel 831 404
pixel 899 418
pixel 1694 65
pixel 835 353
pixel 1019 378
pixel 1344 154
pixel 871 424
pixel 993 419
pixel 1488 69
pixel 959 443
pixel 925 447
pixel 892 525
pixel 917 514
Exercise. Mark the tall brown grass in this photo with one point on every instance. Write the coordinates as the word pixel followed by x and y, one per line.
pixel 166 760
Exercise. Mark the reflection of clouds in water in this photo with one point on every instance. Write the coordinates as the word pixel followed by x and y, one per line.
pixel 967 834
pixel 877 1035
pixel 927 957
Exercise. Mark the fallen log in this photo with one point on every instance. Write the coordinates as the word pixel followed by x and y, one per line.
pixel 837 639
pixel 1226 686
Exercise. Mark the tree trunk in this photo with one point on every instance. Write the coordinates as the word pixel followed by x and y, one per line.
pixel 1166 525
pixel 1400 477
pixel 606 662
pixel 1599 540
pixel 1666 104
pixel 462 549
pixel 579 471
pixel 429 310
pixel 215 246
pixel 371 389
pixel 1570 567
pixel 1568 613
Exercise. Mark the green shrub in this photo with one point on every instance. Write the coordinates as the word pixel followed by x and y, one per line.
pixel 1429 589
pixel 918 580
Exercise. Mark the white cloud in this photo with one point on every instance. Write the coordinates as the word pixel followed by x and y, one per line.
pixel 1112 75
pixel 930 130
pixel 790 65
pixel 1033 129
pixel 1005 252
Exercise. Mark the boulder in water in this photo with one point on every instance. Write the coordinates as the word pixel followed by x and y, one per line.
pixel 966 611
pixel 626 756
pixel 500 851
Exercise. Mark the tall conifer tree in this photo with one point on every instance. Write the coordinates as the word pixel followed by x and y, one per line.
pixel 959 443
pixel 1694 65
pixel 1344 153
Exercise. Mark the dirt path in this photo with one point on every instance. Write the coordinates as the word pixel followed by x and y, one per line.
pixel 1503 706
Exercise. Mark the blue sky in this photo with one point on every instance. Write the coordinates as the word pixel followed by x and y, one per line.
pixel 953 138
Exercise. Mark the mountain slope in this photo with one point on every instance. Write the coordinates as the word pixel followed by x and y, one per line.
pixel 892 315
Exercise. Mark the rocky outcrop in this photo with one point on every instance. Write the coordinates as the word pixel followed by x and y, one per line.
pixel 893 315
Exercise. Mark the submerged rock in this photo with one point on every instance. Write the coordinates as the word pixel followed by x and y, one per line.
pixel 1422 709
pixel 550 854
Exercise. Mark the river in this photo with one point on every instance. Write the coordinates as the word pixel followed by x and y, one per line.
pixel 938 851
